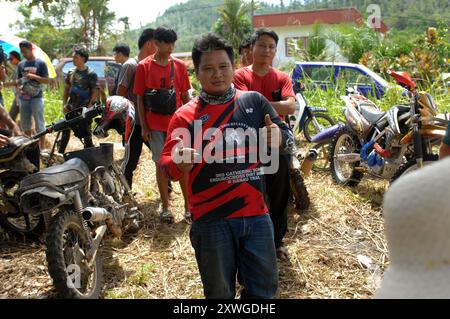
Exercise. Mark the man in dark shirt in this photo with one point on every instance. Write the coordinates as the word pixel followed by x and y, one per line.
pixel 81 90
pixel 14 58
pixel 276 86
pixel 232 233
pixel 2 79
pixel 125 87
pixel 444 150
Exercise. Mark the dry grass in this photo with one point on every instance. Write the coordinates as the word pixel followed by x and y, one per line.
pixel 324 242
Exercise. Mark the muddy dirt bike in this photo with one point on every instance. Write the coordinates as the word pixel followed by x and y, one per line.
pixel 14 166
pixel 80 200
pixel 388 144
pixel 17 160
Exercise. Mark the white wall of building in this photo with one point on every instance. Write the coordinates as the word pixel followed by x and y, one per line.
pixel 333 50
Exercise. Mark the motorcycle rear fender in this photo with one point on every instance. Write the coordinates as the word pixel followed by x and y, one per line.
pixel 326 135
pixel 300 116
pixel 59 198
pixel 393 120
pixel 318 109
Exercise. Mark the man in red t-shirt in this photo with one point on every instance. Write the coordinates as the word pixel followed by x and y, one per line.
pixel 276 86
pixel 161 71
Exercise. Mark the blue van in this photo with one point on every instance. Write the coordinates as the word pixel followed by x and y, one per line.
pixel 326 74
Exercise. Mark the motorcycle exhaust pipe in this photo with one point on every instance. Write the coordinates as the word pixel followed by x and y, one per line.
pixel 308 163
pixel 349 158
pixel 96 214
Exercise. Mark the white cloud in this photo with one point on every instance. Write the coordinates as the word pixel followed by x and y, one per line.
pixel 141 12
pixel 8 15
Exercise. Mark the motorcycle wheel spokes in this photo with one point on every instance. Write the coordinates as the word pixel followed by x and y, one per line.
pixel 74 276
pixel 17 222
pixel 80 273
pixel 24 223
pixel 314 126
pixel 323 159
pixel 344 145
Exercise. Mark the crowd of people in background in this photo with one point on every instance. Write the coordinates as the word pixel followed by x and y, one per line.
pixel 238 226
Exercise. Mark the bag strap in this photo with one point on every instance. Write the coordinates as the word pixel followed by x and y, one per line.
pixel 71 78
pixel 172 74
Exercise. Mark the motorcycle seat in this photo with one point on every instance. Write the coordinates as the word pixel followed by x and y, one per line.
pixel 402 109
pixel 71 172
pixel 371 114
pixel 14 144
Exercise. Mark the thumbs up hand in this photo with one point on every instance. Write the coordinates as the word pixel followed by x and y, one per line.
pixel 271 133
pixel 184 157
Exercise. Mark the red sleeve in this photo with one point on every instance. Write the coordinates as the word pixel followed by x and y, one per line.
pixel 240 81
pixel 286 86
pixel 166 162
pixel 186 86
pixel 139 80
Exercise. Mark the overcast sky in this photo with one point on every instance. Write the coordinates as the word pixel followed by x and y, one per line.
pixel 140 12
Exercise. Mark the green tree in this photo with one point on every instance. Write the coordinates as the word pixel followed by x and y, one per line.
pixel 316 47
pixel 234 22
pixel 102 19
pixel 355 41
pixel 85 10
pixel 48 30
pixel 126 23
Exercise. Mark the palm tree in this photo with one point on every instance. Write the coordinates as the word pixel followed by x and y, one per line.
pixel 234 22
pixel 126 23
pixel 84 6
pixel 104 19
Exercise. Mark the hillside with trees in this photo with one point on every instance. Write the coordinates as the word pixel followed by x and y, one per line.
pixel 60 23
pixel 400 15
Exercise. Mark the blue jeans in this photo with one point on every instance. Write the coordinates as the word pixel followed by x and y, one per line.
pixel 238 246
pixel 32 108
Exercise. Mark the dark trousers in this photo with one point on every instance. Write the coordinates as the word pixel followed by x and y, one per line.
pixel 277 194
pixel 133 153
pixel 82 130
pixel 65 137
pixel 241 247
pixel 15 110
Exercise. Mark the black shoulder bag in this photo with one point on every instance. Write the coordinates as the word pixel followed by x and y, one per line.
pixel 162 101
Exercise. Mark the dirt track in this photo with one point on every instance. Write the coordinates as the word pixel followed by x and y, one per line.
pixel 324 242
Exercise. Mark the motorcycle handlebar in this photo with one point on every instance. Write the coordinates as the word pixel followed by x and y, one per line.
pixel 86 113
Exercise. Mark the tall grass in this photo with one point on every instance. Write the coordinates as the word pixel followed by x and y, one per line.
pixel 331 99
pixel 53 104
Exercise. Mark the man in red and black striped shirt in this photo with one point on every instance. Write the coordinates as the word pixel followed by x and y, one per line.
pixel 217 139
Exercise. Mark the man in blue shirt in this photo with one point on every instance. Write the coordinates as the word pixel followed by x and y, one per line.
pixel 32 73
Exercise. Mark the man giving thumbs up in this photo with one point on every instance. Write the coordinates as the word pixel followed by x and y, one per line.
pixel 231 232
